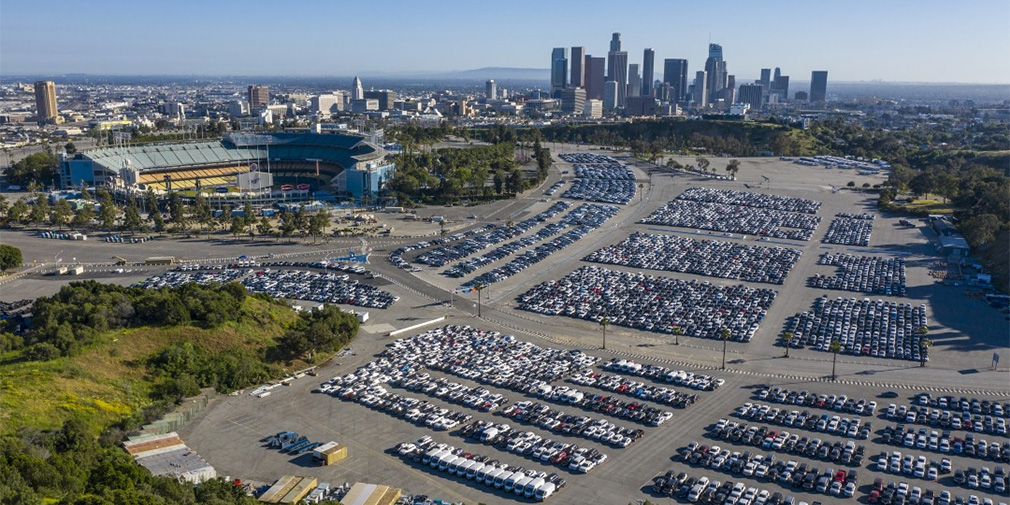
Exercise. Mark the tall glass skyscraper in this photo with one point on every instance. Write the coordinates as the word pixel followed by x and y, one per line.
pixel 559 70
pixel 648 71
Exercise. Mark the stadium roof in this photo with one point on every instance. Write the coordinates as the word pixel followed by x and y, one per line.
pixel 342 150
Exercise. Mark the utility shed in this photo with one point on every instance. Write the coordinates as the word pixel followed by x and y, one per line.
pixel 168 455
pixel 329 453
pixel 370 494
pixel 289 489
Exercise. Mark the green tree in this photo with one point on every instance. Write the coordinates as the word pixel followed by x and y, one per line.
pixel 788 337
pixel 38 167
pixel 61 213
pixel 131 218
pixel 515 181
pixel 924 346
pixel 201 211
pixel 703 163
pixel 39 211
pixel 10 257
pixel 835 348
pixel 237 226
pixel 264 227
pixel 18 211
pixel 82 218
pixel 733 167
pixel 724 334
pixel 248 214
pixel 603 324
pixel 318 224
pixel 981 229
pixel 499 181
pixel 677 333
pixel 177 210
pixel 107 211
pixel 70 148
pixel 4 205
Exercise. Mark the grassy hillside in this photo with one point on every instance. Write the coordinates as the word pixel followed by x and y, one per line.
pixel 108 379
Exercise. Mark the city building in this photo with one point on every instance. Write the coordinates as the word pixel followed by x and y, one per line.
pixel 780 86
pixel 595 78
pixel 715 69
pixel 593 109
pixel 357 90
pixel 610 95
pixel 620 68
pixel 559 70
pixel 818 86
pixel 641 106
pixel 259 96
pixel 634 81
pixel 573 101
pixel 237 108
pixel 45 102
pixel 385 97
pixel 675 74
pixel 700 91
pixel 364 105
pixel 578 79
pixel 802 96
pixel 766 80
pixel 752 94
pixel 648 71
pixel 490 90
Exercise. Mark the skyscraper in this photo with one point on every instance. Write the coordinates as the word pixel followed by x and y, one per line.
pixel 610 89
pixel 358 92
pixel 259 96
pixel 818 86
pixel 578 79
pixel 766 79
pixel 675 74
pixel 753 94
pixel 595 78
pixel 780 86
pixel 573 101
pixel 619 65
pixel 559 71
pixel 648 71
pixel 615 46
pixel 700 97
pixel 634 81
pixel 490 89
pixel 615 42
pixel 715 67
pixel 45 102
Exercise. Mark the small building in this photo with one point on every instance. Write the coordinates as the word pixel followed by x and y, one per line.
pixel 329 453
pixel 167 455
pixel 160 260
pixel 371 494
pixel 289 489
pixel 954 245
pixel 76 270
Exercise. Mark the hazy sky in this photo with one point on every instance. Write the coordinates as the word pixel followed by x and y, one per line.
pixel 890 40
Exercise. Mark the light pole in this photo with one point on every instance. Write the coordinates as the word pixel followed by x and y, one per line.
pixel 725 333
pixel 479 287
pixel 603 324
pixel 836 347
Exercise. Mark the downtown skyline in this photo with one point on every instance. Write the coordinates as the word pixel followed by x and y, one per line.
pixel 893 42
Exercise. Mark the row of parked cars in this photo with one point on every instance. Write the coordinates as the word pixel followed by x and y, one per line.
pixel 838 451
pixel 533 446
pixel 554 188
pixel 604 404
pixel 751 199
pixel 599 429
pixel 636 389
pixel 719 217
pixel 586 158
pixel 192 273
pixel 904 493
pixel 911 465
pixel 983 478
pixel 726 260
pixel 973 405
pixel 606 171
pixel 318 287
pixel 617 191
pixel 529 483
pixel 953 419
pixel 850 229
pixel 583 220
pixel 766 466
pixel 862 274
pixel 337 266
pixel 420 412
pixel 838 403
pixel 824 423
pixel 693 380
pixel 945 443
pixel 477 398
pixel 865 327
pixel 396 256
pixel 444 254
pixel 470 265
pixel 707 491
pixel 648 303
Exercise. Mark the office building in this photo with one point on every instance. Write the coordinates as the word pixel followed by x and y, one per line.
pixel 363 105
pixel 818 86
pixel 559 70
pixel 675 74
pixel 780 86
pixel 326 104
pixel 766 79
pixel 634 81
pixel 45 102
pixel 700 94
pixel 715 69
pixel 615 42
pixel 802 96
pixel 385 97
pixel 491 90
pixel 610 95
pixel 752 94
pixel 648 71
pixel 578 79
pixel 641 106
pixel 593 109
pixel 595 68
pixel 174 110
pixel 238 108
pixel 259 97
pixel 619 60
pixel 357 90
pixel 573 101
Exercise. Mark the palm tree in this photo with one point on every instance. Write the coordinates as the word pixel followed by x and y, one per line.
pixel 441 228
pixel 479 287
pixel 725 334
pixel 788 337
pixel 641 193
pixel 603 324
pixel 924 346
pixel 677 332
pixel 836 347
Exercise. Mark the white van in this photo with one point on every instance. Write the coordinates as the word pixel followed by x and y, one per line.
pixel 545 491
pixel 475 468
pixel 510 481
pixel 462 470
pixel 531 487
pixel 520 485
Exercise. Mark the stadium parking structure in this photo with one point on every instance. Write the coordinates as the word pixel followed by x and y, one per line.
pixel 726 260
pixel 850 229
pixel 862 274
pixel 865 327
pixel 634 300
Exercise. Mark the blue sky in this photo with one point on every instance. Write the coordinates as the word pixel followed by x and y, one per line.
pixel 889 40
